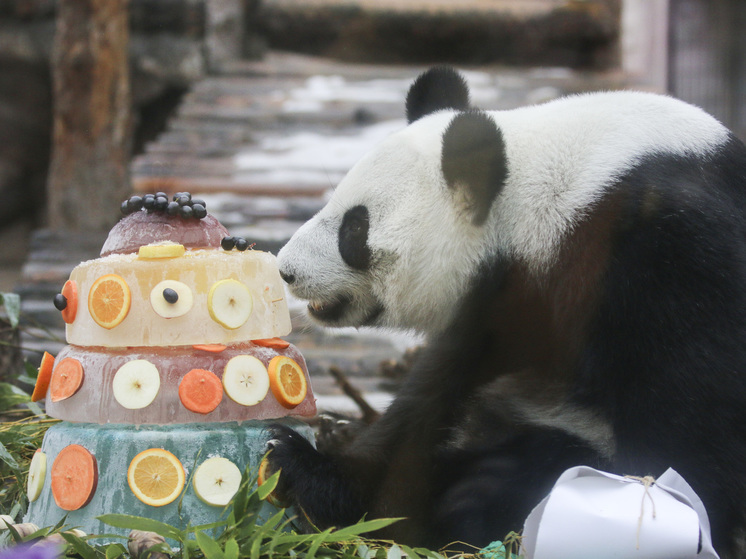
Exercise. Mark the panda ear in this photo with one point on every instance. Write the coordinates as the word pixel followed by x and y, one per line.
pixel 441 87
pixel 474 162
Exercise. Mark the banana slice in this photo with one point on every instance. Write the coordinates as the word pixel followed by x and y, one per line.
pixel 171 298
pixel 136 384
pixel 37 474
pixel 230 303
pixel 245 380
pixel 216 480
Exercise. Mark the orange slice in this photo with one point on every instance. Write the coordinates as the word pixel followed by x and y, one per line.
pixel 274 343
pixel 70 291
pixel 66 379
pixel 156 477
pixel 287 381
pixel 262 476
pixel 74 477
pixel 43 378
pixel 109 300
pixel 200 391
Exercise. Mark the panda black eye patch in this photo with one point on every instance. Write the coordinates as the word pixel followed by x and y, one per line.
pixel 353 238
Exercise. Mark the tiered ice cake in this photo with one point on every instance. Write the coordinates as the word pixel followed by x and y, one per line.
pixel 174 368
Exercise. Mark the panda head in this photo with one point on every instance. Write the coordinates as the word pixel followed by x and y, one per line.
pixel 401 235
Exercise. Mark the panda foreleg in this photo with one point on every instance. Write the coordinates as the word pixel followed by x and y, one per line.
pixel 489 492
pixel 312 481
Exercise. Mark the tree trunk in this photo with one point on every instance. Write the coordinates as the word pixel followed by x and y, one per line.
pixel 89 173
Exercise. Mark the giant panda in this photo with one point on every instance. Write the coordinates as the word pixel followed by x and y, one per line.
pixel 579 271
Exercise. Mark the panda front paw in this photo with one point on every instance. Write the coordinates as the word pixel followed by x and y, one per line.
pixel 288 451
pixel 310 480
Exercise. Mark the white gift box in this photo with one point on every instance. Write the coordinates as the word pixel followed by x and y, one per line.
pixel 591 514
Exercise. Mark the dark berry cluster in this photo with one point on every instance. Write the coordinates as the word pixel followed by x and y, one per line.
pixel 239 243
pixel 181 205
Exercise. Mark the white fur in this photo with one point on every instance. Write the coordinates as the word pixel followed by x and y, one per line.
pixel 562 156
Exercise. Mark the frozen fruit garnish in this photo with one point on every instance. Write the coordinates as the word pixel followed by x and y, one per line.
pixel 143 228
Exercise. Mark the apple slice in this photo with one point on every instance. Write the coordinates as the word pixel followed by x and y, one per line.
pixel 171 298
pixel 216 481
pixel 37 474
pixel 230 303
pixel 245 380
pixel 136 384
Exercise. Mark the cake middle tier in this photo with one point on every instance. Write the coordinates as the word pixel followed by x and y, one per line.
pixel 179 384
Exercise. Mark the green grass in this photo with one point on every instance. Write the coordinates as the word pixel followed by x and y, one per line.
pixel 243 534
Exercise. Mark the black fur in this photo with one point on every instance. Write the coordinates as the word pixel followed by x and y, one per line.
pixel 639 327
pixel 473 161
pixel 438 88
pixel 353 238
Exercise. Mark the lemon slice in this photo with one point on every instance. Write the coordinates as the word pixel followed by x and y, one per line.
pixel 156 477
pixel 164 250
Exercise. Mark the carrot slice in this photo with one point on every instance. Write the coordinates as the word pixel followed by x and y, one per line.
pixel 66 379
pixel 200 391
pixel 274 343
pixel 212 348
pixel 70 291
pixel 43 378
pixel 287 381
pixel 74 477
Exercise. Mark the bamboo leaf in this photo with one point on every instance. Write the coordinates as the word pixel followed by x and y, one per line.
pixel 12 304
pixel 7 457
pixel 140 523
pixel 269 485
pixel 115 550
pixel 209 547
pixel 231 549
pixel 394 552
pixel 364 527
pixel 318 539
pixel 409 552
pixel 80 546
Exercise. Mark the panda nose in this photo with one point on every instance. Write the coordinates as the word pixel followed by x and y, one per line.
pixel 289 278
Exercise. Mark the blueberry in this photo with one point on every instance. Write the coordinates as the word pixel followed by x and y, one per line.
pixel 125 208
pixel 199 201
pixel 60 302
pixel 199 211
pixel 228 243
pixel 184 200
pixel 135 203
pixel 148 202
pixel 170 295
pixel 173 208
pixel 186 212
pixel 161 203
pixel 241 243
pixel 161 195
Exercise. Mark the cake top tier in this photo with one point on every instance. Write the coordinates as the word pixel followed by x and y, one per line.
pixel 154 218
pixel 168 280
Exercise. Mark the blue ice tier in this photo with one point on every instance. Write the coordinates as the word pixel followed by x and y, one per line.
pixel 114 447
